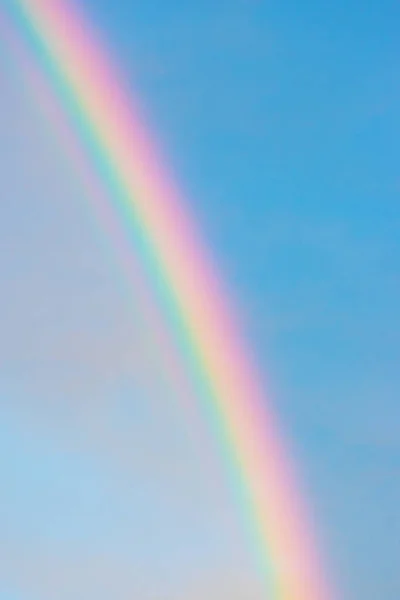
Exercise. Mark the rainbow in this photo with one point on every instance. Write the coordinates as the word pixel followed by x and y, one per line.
pixel 145 203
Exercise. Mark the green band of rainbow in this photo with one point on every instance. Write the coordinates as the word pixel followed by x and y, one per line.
pixel 147 204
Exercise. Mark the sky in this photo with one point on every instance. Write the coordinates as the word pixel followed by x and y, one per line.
pixel 281 122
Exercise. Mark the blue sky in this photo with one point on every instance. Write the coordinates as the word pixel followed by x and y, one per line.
pixel 282 122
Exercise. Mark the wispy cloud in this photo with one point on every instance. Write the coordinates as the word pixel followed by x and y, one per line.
pixel 103 576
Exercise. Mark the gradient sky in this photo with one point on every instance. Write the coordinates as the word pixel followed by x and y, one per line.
pixel 282 123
